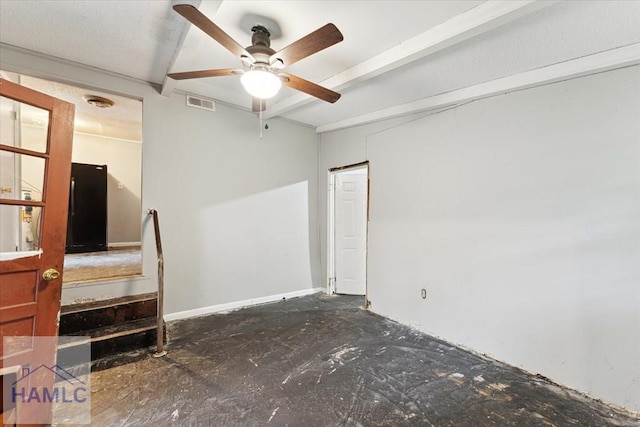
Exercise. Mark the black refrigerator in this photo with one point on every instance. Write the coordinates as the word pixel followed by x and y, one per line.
pixel 87 218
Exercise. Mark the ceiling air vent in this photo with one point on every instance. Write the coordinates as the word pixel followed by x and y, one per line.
pixel 203 104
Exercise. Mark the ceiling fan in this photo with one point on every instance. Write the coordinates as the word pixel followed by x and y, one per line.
pixel 262 74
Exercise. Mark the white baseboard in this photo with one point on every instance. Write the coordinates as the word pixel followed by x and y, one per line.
pixel 238 304
pixel 123 244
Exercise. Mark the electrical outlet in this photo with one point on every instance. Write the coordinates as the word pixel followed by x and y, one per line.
pixel 423 293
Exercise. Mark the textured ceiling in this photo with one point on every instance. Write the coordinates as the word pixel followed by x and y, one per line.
pixel 123 120
pixel 133 38
pixel 147 39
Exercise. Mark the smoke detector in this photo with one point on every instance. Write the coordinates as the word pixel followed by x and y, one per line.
pixel 98 101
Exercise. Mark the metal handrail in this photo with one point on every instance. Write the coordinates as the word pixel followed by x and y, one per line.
pixel 160 331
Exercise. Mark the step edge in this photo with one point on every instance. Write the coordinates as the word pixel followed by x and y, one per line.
pixel 107 303
pixel 110 336
pixel 124 333
pixel 134 324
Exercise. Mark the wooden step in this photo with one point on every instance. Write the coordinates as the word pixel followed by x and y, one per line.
pixel 115 339
pixel 98 314
pixel 115 326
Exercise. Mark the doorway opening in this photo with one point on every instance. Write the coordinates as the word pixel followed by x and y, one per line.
pixel 107 137
pixel 348 214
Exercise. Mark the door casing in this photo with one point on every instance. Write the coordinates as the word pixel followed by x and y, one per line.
pixel 331 220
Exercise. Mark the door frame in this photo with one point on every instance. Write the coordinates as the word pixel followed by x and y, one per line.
pixel 331 222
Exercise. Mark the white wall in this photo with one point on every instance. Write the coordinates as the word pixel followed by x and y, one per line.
pixel 237 213
pixel 344 148
pixel 124 163
pixel 520 215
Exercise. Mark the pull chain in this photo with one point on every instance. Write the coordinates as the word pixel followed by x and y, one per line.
pixel 261 118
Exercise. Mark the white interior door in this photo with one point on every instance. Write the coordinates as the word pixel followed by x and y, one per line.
pixel 351 232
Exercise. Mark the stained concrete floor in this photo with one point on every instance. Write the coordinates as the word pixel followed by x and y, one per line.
pixel 324 361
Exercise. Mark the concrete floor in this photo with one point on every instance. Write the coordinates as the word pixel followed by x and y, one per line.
pixel 323 361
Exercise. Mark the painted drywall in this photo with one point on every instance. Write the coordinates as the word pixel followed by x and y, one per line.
pixel 344 148
pixel 520 216
pixel 241 206
pixel 124 163
pixel 237 212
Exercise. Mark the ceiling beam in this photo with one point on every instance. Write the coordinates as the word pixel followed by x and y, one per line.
pixel 597 63
pixel 168 86
pixel 188 44
pixel 478 20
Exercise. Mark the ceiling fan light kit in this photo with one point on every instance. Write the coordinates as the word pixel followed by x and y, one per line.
pixel 261 84
pixel 261 73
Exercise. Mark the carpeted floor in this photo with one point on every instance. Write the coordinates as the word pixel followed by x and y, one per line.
pixel 91 266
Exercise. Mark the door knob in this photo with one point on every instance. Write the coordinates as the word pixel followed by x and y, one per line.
pixel 51 274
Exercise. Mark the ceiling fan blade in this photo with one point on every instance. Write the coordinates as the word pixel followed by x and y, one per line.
pixel 258 104
pixel 204 73
pixel 310 88
pixel 198 19
pixel 314 42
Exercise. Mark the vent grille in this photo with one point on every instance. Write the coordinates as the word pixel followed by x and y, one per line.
pixel 203 104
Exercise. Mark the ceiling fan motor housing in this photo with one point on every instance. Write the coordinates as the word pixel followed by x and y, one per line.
pixel 261 36
pixel 260 48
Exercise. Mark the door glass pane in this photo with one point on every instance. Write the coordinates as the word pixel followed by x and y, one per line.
pixel 21 176
pixel 19 229
pixel 22 125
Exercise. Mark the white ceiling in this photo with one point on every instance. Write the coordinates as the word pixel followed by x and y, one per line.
pixel 400 51
pixel 122 121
